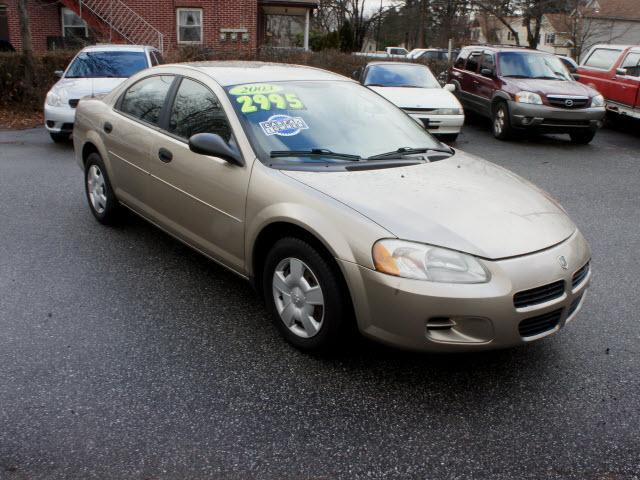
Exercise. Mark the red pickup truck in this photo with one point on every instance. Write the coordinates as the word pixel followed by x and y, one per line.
pixel 614 70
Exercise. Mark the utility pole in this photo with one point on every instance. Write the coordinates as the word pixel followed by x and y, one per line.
pixel 27 46
pixel 379 26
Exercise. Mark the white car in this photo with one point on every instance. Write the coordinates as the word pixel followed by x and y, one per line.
pixel 94 71
pixel 414 89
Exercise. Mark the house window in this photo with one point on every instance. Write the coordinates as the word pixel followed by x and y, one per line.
pixel 72 25
pixel 189 25
pixel 550 38
pixel 510 35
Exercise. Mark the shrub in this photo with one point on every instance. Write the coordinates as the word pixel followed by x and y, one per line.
pixel 12 85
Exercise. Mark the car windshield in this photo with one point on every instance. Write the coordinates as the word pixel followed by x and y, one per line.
pixel 331 119
pixel 107 64
pixel 394 75
pixel 532 65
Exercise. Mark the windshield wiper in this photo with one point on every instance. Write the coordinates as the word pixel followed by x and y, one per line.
pixel 517 76
pixel 408 151
pixel 314 152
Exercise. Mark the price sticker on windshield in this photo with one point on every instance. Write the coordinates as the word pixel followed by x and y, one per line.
pixel 265 97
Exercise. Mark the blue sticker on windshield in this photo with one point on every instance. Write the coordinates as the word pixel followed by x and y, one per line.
pixel 283 125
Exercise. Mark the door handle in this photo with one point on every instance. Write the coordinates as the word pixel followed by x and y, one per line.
pixel 108 127
pixel 165 155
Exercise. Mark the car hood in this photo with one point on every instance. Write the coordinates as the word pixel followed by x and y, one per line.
pixel 408 98
pixel 83 87
pixel 552 87
pixel 463 203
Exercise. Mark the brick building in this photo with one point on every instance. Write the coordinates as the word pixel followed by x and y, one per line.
pixel 215 25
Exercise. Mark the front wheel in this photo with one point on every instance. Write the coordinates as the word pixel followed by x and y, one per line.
pixel 582 137
pixel 102 201
pixel 306 295
pixel 447 137
pixel 501 123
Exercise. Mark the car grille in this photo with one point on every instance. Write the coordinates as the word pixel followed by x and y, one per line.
pixel 539 324
pixel 568 102
pixel 574 305
pixel 73 103
pixel 580 275
pixel 538 295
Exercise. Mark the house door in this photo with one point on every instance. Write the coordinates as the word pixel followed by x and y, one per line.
pixel 4 23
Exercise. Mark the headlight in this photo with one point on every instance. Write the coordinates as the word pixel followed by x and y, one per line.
pixel 54 99
pixel 597 101
pixel 425 262
pixel 528 97
pixel 447 111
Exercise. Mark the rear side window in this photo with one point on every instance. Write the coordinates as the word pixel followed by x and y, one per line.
pixel 602 58
pixel 144 99
pixel 472 62
pixel 156 58
pixel 196 109
pixel 631 64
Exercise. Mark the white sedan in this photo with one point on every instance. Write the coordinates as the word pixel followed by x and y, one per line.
pixel 94 71
pixel 414 89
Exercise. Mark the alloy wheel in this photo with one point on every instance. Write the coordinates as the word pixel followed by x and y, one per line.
pixel 498 121
pixel 298 297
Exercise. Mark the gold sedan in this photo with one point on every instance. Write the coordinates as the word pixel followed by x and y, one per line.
pixel 338 206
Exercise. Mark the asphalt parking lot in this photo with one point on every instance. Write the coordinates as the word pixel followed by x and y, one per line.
pixel 123 354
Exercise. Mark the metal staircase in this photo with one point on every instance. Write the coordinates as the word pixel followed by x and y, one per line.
pixel 122 20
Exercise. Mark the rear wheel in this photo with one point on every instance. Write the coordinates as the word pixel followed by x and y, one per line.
pixel 501 123
pixel 582 137
pixel 102 201
pixel 59 137
pixel 306 296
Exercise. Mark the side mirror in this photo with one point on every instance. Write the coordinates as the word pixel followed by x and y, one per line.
pixel 621 71
pixel 213 145
pixel 450 87
pixel 59 73
pixel 486 72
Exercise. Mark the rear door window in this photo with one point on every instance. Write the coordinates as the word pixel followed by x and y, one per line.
pixel 144 99
pixel 473 61
pixel 602 58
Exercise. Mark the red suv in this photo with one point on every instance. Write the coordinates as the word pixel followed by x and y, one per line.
pixel 615 71
pixel 521 89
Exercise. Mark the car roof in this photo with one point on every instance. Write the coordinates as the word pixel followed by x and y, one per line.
pixel 235 72
pixel 110 47
pixel 504 48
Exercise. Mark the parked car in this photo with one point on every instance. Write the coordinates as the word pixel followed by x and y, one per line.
pixel 570 63
pixel 525 90
pixel 389 52
pixel 431 54
pixel 414 89
pixel 336 205
pixel 614 70
pixel 95 70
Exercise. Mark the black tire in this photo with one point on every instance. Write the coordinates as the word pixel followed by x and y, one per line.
pixel 501 117
pixel 111 209
pixel 336 311
pixel 447 137
pixel 60 137
pixel 582 137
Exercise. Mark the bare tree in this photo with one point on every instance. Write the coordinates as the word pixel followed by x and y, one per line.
pixel 27 46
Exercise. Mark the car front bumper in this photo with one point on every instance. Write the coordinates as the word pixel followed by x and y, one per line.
pixel 59 119
pixel 438 317
pixel 543 117
pixel 440 124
